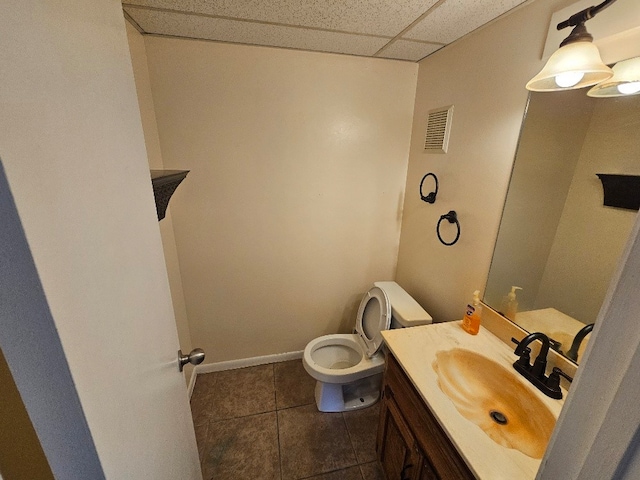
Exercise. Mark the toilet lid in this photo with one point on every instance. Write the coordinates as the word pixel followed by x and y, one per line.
pixel 374 316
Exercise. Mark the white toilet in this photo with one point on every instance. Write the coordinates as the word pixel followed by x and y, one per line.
pixel 348 367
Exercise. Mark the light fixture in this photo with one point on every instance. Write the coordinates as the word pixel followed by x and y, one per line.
pixel 625 80
pixel 577 63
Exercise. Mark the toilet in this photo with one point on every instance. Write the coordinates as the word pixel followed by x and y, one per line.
pixel 348 367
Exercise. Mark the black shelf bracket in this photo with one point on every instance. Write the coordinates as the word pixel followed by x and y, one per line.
pixel 164 184
pixel 621 191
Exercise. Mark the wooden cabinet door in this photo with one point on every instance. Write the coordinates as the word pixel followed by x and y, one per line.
pixel 411 443
pixel 427 472
pixel 396 446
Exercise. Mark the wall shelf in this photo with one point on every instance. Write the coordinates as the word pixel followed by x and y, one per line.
pixel 165 183
pixel 622 191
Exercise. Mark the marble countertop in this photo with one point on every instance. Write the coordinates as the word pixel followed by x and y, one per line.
pixel 555 324
pixel 415 349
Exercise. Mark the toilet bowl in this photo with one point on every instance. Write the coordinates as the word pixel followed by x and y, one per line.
pixel 348 367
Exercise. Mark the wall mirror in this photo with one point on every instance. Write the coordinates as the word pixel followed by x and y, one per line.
pixel 557 241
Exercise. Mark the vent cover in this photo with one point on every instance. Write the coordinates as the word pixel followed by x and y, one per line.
pixel 438 129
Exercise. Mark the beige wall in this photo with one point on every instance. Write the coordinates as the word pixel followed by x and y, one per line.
pixel 154 155
pixel 292 207
pixel 483 76
pixel 145 99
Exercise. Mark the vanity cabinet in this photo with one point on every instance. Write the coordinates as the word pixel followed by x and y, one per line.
pixel 411 445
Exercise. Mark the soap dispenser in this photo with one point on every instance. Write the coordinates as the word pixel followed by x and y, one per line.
pixel 473 315
pixel 509 306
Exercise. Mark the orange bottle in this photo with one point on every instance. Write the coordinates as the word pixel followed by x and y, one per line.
pixel 473 315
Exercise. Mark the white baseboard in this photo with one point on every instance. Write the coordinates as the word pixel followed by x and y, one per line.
pixel 241 363
pixel 192 383
pixel 247 362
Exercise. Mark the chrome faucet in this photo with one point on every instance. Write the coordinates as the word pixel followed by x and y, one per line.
pixel 535 373
pixel 577 341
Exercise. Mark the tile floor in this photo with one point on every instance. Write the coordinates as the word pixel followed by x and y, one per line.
pixel 262 423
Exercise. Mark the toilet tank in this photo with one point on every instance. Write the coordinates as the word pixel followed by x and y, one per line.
pixel 405 311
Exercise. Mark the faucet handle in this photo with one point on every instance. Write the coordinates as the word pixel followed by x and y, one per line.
pixel 553 382
pixel 557 372
pixel 555 344
pixel 517 342
pixel 525 357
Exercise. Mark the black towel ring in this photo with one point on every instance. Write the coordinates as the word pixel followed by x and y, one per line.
pixel 452 217
pixel 430 198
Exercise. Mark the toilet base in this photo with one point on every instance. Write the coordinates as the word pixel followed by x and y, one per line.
pixel 336 397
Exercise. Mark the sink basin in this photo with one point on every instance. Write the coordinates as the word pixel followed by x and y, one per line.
pixel 496 400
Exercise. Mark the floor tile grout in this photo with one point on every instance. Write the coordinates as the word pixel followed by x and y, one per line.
pixel 275 395
pixel 346 427
pixel 282 381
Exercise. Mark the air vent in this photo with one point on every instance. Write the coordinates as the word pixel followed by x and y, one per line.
pixel 438 128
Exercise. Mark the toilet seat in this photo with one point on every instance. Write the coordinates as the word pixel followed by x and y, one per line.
pixel 374 316
pixel 323 368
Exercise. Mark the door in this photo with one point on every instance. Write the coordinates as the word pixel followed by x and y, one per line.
pixel 86 322
pixel 120 408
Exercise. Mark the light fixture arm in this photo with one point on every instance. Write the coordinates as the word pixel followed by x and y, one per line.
pixel 586 14
pixel 579 33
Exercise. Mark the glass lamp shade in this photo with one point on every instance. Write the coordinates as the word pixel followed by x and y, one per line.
pixel 625 80
pixel 576 65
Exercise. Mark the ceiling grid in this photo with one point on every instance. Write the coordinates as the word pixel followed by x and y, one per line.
pixel 399 29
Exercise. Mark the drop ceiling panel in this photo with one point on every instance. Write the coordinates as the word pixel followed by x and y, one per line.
pixel 373 17
pixel 209 28
pixel 409 50
pixel 400 29
pixel 455 18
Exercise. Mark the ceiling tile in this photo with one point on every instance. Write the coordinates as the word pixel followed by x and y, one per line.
pixel 193 26
pixel 409 50
pixel 455 18
pixel 373 17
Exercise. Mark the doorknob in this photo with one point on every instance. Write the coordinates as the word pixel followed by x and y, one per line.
pixel 195 357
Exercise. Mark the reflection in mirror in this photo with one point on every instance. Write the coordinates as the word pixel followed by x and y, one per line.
pixel 556 240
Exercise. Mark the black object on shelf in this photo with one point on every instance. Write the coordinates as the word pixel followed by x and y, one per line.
pixel 622 191
pixel 165 183
pixel 451 217
pixel 431 197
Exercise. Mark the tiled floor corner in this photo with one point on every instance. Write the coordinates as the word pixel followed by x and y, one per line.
pixel 262 423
